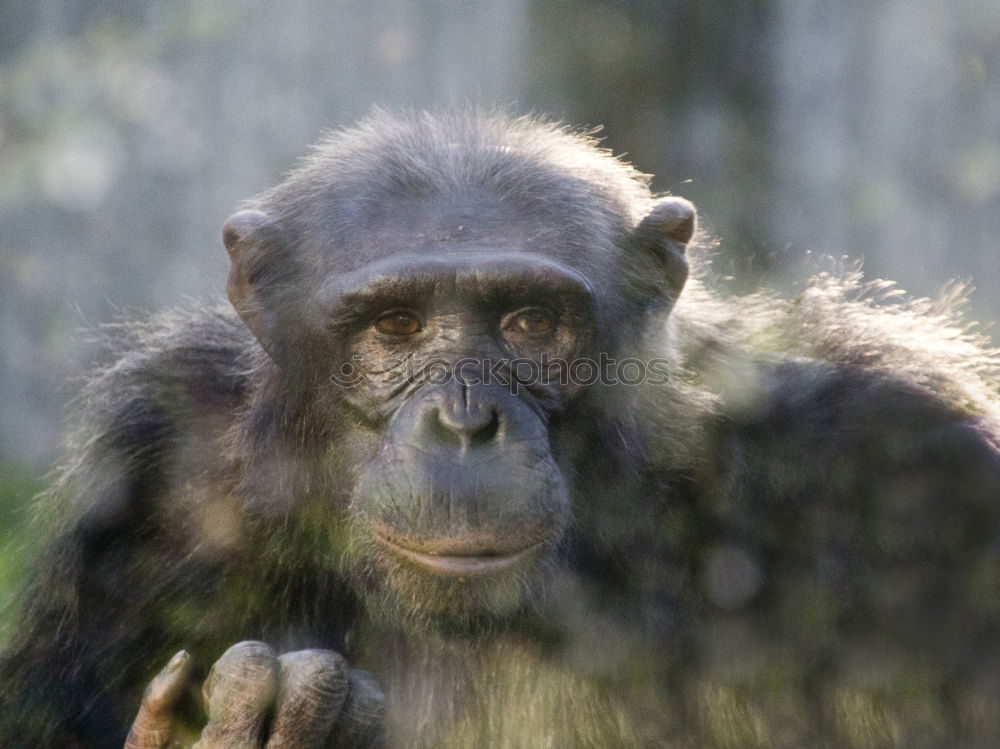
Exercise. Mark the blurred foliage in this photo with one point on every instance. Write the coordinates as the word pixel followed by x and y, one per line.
pixel 16 549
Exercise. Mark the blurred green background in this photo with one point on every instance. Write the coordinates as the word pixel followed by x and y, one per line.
pixel 803 129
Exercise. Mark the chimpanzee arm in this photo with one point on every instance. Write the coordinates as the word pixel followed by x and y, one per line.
pixel 95 619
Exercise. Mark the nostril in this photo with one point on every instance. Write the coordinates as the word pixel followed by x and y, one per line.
pixel 488 431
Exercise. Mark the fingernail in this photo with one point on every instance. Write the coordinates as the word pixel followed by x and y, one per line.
pixel 177 661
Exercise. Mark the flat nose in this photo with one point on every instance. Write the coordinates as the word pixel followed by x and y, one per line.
pixel 464 421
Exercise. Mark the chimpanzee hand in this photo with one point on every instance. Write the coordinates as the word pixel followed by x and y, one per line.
pixel 257 700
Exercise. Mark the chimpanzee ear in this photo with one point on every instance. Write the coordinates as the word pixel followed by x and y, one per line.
pixel 256 254
pixel 666 230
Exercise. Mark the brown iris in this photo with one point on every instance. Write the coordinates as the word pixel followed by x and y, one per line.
pixel 398 323
pixel 533 321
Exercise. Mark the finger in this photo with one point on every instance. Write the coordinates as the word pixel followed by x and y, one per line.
pixel 240 691
pixel 359 725
pixel 153 727
pixel 312 689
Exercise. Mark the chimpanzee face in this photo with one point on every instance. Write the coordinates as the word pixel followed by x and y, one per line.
pixel 447 326
pixel 457 358
pixel 458 363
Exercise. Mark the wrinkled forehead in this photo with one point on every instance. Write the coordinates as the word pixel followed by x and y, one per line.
pixel 468 222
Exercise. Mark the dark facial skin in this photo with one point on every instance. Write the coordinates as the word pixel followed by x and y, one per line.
pixel 462 495
pixel 460 498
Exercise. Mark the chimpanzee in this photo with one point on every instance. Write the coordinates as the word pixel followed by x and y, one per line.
pixel 476 464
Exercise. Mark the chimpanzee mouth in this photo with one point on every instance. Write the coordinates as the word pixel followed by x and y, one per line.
pixel 459 556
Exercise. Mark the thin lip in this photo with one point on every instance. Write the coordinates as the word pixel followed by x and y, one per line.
pixel 463 559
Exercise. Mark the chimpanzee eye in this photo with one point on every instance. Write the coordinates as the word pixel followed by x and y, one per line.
pixel 531 321
pixel 399 322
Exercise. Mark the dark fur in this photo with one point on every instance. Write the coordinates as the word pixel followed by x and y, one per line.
pixel 842 445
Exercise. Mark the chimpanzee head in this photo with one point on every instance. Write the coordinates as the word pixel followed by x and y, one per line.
pixel 424 287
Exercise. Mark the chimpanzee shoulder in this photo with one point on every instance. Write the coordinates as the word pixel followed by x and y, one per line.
pixel 852 402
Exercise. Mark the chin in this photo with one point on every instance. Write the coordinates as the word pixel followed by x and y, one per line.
pixel 455 595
